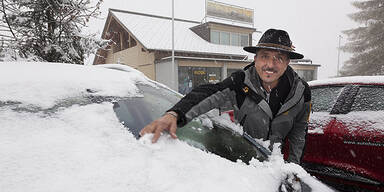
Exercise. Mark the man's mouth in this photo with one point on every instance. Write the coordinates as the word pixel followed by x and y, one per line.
pixel 269 71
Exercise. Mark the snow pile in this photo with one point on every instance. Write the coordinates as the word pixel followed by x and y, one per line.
pixel 222 119
pixel 95 153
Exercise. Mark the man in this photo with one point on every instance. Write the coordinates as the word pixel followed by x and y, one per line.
pixel 270 100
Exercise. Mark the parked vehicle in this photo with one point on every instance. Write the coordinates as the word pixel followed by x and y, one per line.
pixel 345 141
pixel 66 127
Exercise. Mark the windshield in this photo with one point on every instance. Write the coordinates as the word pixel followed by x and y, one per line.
pixel 137 112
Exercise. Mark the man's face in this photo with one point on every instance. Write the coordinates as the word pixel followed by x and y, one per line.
pixel 271 64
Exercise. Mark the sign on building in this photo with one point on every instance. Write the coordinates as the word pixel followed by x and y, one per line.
pixel 229 12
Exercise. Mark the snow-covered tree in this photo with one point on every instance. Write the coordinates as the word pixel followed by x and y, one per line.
pixel 366 42
pixel 51 29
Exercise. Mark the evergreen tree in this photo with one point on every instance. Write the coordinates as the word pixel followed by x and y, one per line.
pixel 51 29
pixel 367 41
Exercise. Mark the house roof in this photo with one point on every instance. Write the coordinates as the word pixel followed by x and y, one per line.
pixel 306 62
pixel 155 33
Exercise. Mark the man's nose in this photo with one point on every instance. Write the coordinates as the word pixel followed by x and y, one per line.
pixel 270 63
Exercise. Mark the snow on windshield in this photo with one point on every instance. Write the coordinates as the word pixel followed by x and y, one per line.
pixel 95 153
pixel 43 84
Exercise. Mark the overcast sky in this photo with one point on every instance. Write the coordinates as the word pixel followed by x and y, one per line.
pixel 314 26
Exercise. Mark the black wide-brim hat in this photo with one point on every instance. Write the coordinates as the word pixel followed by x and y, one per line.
pixel 276 40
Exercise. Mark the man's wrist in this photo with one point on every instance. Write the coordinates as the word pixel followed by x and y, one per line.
pixel 172 113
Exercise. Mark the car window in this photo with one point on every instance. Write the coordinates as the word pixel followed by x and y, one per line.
pixel 137 112
pixel 369 99
pixel 323 98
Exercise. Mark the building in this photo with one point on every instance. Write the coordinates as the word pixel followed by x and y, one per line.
pixel 204 52
pixel 305 68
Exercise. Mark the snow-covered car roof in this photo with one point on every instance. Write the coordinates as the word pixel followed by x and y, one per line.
pixel 43 84
pixel 349 80
pixel 85 147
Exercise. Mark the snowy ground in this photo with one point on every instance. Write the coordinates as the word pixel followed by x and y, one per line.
pixel 85 148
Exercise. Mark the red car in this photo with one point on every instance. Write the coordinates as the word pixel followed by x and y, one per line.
pixel 345 141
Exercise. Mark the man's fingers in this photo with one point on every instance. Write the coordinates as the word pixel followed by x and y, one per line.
pixel 172 130
pixel 167 122
pixel 147 129
pixel 157 134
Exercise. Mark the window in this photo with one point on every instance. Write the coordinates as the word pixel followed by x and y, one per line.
pixel 235 39
pixel 307 75
pixel 224 38
pixel 369 99
pixel 136 112
pixel 244 40
pixel 191 77
pixel 230 71
pixel 228 38
pixel 323 98
pixel 214 74
pixel 215 37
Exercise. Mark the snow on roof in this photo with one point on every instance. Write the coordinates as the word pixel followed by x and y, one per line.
pixel 156 33
pixel 349 80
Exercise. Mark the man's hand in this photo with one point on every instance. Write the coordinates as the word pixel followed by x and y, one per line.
pixel 167 122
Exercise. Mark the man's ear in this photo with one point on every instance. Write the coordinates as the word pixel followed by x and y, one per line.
pixel 289 61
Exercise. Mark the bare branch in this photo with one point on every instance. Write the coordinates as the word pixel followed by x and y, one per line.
pixel 6 19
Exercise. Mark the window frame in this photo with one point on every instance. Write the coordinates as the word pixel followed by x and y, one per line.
pixel 215 31
pixel 247 35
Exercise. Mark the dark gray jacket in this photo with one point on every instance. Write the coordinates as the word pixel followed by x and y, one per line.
pixel 243 89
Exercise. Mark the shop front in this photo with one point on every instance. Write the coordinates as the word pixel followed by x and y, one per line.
pixel 191 77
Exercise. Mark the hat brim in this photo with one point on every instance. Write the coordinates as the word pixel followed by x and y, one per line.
pixel 291 54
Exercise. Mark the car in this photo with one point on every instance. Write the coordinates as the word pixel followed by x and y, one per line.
pixel 345 140
pixel 67 127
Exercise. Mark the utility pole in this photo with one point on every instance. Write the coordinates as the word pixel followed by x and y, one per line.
pixel 173 47
pixel 338 57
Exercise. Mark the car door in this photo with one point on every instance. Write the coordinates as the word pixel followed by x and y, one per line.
pixel 360 131
pixel 318 139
